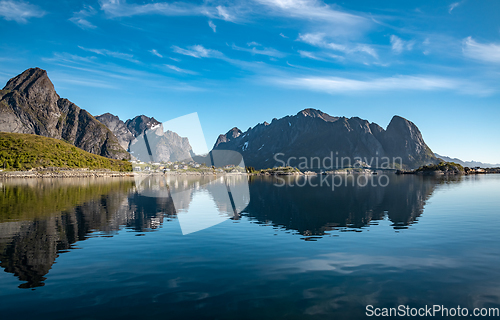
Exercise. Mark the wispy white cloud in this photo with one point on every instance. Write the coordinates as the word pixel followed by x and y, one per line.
pixel 19 11
pixel 179 69
pixel 212 25
pixel 283 36
pixel 114 54
pixel 453 6
pixel 80 18
pixel 120 8
pixel 338 85
pixel 198 51
pixel 93 83
pixel 320 56
pixel 271 52
pixel 318 40
pixel 107 74
pixel 310 55
pixel 311 9
pixel 156 53
pixel 253 44
pixel 71 58
pixel 489 52
pixel 399 45
pixel 224 13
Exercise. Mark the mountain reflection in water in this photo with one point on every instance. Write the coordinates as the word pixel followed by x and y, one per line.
pixel 39 219
pixel 312 211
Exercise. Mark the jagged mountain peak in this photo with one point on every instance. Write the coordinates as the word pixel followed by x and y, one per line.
pixel 404 127
pixel 399 121
pixel 305 135
pixel 35 83
pixel 107 115
pixel 165 146
pixel 27 78
pixel 315 113
pixel 234 132
pixel 30 104
pixel 141 123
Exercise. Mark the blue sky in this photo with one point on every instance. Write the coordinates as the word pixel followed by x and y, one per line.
pixel 238 63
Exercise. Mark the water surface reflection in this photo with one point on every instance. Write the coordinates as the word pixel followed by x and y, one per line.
pixel 40 219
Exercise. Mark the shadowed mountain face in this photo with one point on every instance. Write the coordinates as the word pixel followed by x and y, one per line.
pixel 165 146
pixel 118 128
pixel 312 133
pixel 30 104
pixel 127 131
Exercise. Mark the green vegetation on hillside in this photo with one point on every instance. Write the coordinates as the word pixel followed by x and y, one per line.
pixel 20 151
pixel 451 167
pixel 277 170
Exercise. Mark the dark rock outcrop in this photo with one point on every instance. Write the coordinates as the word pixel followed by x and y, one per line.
pixel 312 133
pixel 118 128
pixel 140 124
pixel 30 104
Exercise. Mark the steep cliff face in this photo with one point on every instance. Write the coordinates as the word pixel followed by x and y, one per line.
pixel 403 139
pixel 157 145
pixel 164 146
pixel 30 104
pixel 312 133
pixel 118 128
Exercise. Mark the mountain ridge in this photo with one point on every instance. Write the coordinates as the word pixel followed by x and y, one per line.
pixel 29 103
pixel 313 133
pixel 164 146
pixel 470 164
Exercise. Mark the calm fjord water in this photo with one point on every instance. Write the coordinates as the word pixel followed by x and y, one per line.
pixel 100 249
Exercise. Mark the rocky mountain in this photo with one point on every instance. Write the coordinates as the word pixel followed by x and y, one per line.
pixel 163 145
pixel 118 128
pixel 470 164
pixel 157 145
pixel 139 124
pixel 312 133
pixel 30 104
